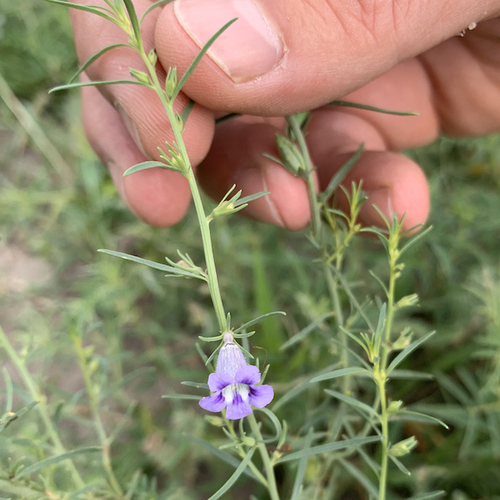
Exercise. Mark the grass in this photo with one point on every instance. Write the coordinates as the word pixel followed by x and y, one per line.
pixel 77 319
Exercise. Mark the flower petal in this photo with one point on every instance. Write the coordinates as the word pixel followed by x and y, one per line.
pixel 215 402
pixel 247 375
pixel 238 408
pixel 230 359
pixel 217 381
pixel 260 395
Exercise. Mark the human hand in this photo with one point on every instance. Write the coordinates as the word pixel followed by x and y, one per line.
pixel 286 56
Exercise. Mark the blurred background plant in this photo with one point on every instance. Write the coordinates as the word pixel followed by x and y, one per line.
pixel 97 341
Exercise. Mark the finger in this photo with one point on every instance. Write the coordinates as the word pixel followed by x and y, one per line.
pixel 405 88
pixel 465 74
pixel 392 182
pixel 285 56
pixel 236 157
pixel 140 111
pixel 159 197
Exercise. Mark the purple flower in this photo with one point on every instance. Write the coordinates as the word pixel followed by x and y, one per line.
pixel 234 384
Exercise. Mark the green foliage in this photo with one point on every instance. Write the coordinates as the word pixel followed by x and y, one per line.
pixel 90 343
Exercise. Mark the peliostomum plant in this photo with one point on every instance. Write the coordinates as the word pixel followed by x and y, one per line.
pixel 364 332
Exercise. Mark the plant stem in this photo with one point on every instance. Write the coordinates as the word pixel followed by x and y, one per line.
pixel 37 395
pixel 380 373
pixel 213 282
pixel 309 178
pixel 94 407
pixel 242 453
pixel 268 467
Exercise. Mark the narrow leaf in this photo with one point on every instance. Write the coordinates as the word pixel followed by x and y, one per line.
pixel 93 84
pixel 471 432
pixel 380 325
pixel 381 283
pixel 181 396
pixel 340 373
pixel 187 108
pixel 301 469
pixel 198 58
pixel 454 389
pixel 236 474
pixel 154 265
pixel 8 390
pixel 407 351
pixel 217 338
pixel 113 388
pixel 415 416
pixel 146 165
pixel 400 465
pixel 468 380
pixel 305 331
pixel 351 296
pixel 225 457
pixel 224 118
pixel 348 104
pixel 133 19
pixel 415 239
pixel 428 496
pixel 411 375
pixel 94 9
pixel 328 448
pixel 257 320
pixel 152 7
pixel 353 353
pixel 359 342
pixel 196 385
pixel 341 174
pixel 354 403
pixel 94 58
pixel 277 424
pixel 290 395
pixel 92 486
pixel 273 158
pixel 454 414
pixel 54 460
pixel 246 199
pixel 360 477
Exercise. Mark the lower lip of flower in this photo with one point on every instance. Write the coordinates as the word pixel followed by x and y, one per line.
pixel 231 390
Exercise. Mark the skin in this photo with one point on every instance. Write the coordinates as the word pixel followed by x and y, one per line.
pixel 401 55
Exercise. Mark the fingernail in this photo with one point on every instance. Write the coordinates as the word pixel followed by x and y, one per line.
pixel 132 130
pixel 380 198
pixel 249 48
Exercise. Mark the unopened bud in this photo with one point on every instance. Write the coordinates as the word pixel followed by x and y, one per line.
pixel 291 158
pixel 403 447
pixel 394 406
pixel 140 76
pixel 248 441
pixel 403 340
pixel 408 300
pixel 171 81
pixel 152 57
pixel 215 421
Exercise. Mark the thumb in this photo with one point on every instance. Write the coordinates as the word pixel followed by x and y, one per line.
pixel 285 56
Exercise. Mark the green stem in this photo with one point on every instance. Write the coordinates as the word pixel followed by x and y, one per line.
pixel 309 178
pixel 380 376
pixel 242 454
pixel 382 487
pixel 213 282
pixel 37 395
pixel 94 407
pixel 268 467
